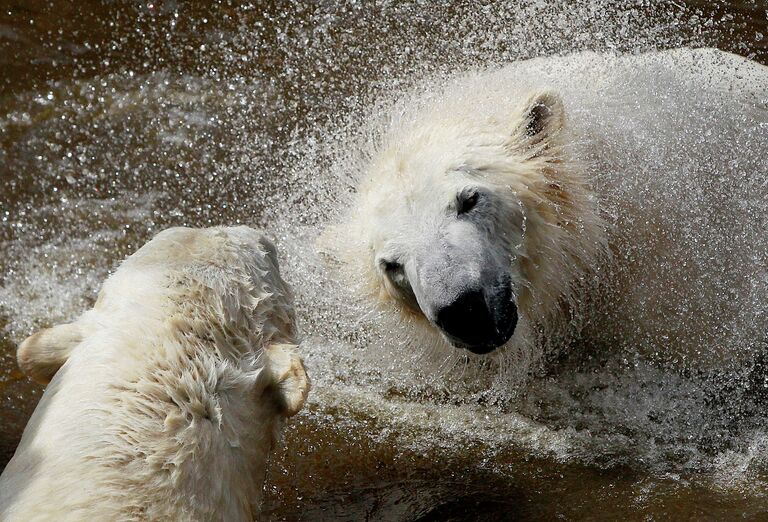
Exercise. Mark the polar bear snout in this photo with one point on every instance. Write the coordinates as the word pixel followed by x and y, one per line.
pixel 477 321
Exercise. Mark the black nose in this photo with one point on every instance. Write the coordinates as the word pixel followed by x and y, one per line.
pixel 469 322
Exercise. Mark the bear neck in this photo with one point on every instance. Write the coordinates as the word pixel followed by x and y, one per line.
pixel 564 246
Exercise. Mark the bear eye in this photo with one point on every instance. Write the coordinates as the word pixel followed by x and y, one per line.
pixel 395 272
pixel 391 267
pixel 467 201
pixel 399 284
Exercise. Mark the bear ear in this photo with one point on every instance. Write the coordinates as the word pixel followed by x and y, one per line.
pixel 543 117
pixel 283 379
pixel 42 354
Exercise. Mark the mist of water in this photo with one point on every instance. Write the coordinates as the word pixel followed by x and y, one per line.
pixel 267 117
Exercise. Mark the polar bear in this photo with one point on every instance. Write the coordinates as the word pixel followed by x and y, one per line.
pixel 490 216
pixel 164 399
pixel 467 224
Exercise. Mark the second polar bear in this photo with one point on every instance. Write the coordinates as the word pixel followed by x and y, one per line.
pixel 166 397
pixel 607 201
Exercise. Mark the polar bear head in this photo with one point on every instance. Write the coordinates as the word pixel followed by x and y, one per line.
pixel 473 219
pixel 218 287
pixel 166 397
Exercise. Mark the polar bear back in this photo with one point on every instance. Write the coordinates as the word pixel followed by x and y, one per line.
pixel 168 406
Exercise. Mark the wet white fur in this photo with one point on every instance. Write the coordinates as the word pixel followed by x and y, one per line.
pixel 170 391
pixel 545 225
pixel 589 256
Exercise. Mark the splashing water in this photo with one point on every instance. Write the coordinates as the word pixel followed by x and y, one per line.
pixel 146 117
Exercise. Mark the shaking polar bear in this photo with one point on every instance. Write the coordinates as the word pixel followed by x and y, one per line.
pixel 592 199
pixel 166 397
